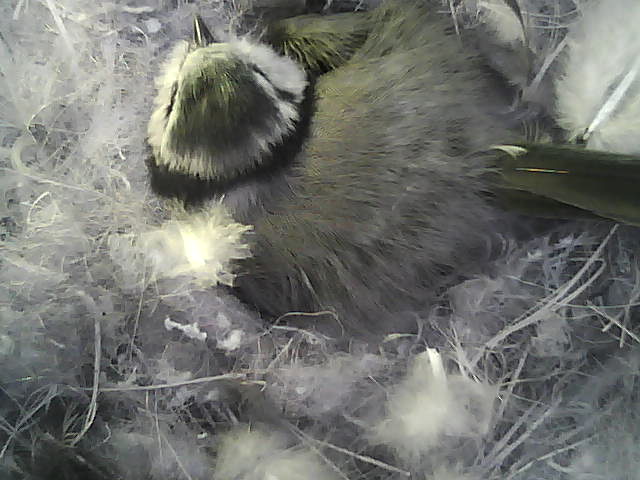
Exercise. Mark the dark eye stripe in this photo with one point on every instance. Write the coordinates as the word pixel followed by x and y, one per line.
pixel 259 72
pixel 174 91
pixel 283 94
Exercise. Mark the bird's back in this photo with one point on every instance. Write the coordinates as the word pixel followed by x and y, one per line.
pixel 386 199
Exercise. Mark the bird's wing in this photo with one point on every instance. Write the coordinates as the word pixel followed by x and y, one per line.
pixel 543 177
pixel 319 42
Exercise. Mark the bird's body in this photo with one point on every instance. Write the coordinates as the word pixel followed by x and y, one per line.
pixel 384 199
pixel 371 192
pixel 380 200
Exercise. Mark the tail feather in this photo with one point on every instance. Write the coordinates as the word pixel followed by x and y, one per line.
pixel 556 177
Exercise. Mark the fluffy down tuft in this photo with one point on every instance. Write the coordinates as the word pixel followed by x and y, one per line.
pixel 248 454
pixel 598 95
pixel 430 408
pixel 200 247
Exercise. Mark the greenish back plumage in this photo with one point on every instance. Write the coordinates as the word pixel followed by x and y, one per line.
pixel 382 198
pixel 319 43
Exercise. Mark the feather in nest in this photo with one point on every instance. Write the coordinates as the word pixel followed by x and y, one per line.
pixel 598 92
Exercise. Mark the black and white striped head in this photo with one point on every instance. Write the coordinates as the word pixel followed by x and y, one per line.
pixel 221 107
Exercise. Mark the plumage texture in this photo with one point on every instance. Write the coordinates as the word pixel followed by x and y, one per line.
pixel 600 183
pixel 319 42
pixel 556 75
pixel 358 200
pixel 385 175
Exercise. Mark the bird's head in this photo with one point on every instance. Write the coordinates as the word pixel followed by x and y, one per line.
pixel 222 106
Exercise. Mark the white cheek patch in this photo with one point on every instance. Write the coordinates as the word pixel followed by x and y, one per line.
pixel 286 109
pixel 283 73
pixel 164 83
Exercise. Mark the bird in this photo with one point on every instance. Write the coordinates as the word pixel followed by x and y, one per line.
pixel 373 153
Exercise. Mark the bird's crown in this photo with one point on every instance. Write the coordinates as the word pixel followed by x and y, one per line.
pixel 221 106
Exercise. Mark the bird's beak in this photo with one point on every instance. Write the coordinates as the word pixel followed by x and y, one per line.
pixel 201 34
